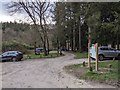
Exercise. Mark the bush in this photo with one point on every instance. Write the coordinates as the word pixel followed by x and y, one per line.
pixel 6 46
pixel 90 69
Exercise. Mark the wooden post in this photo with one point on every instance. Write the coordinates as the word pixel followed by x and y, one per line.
pixel 89 43
pixel 96 56
pixel 89 63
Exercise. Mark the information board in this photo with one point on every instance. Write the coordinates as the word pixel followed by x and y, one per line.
pixel 93 51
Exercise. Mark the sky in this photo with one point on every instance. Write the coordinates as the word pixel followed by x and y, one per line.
pixel 6 17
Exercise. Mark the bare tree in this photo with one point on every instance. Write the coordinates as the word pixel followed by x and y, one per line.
pixel 38 13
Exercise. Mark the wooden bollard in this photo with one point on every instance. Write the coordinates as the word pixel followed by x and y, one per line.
pixel 84 64
pixel 109 66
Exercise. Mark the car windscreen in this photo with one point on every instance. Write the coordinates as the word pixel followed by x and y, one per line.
pixel 5 53
pixel 104 49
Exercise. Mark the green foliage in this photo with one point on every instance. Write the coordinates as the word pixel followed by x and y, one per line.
pixel 15 26
pixel 52 54
pixel 104 74
pixel 102 18
pixel 91 70
pixel 67 17
pixel 103 21
pixel 6 46
pixel 3 27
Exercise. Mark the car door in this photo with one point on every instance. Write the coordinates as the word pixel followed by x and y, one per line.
pixel 105 52
pixel 113 52
pixel 11 54
pixel 5 56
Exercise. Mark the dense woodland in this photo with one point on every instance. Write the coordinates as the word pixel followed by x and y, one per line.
pixel 76 24
pixel 76 21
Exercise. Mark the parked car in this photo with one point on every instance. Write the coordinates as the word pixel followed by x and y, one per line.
pixel 39 50
pixel 107 52
pixel 11 55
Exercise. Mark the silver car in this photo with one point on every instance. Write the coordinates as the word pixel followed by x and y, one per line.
pixel 107 52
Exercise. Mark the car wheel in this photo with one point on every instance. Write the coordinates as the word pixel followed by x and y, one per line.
pixel 101 57
pixel 20 60
pixel 13 59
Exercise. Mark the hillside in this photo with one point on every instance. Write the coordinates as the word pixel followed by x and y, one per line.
pixel 21 33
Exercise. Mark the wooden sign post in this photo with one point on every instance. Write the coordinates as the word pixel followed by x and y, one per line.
pixel 89 63
pixel 89 43
pixel 96 47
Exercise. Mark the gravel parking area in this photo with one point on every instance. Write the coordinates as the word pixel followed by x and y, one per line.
pixel 43 73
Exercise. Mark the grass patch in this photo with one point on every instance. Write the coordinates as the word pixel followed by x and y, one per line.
pixel 104 75
pixel 52 54
pixel 79 55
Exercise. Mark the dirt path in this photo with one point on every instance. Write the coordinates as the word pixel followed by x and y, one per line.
pixel 43 73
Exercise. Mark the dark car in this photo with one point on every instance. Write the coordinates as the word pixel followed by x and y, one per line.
pixel 11 55
pixel 40 50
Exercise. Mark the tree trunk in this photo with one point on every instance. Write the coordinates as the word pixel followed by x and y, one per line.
pixel 57 46
pixel 44 46
pixel 74 45
pixel 48 45
pixel 45 52
pixel 71 41
pixel 80 38
pixel 118 46
pixel 68 45
pixel 35 48
pixel 71 44
pixel 60 51
pixel 118 42
pixel 113 44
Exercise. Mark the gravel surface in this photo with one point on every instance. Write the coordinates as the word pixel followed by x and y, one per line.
pixel 43 73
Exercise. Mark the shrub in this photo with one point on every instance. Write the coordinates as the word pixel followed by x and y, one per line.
pixel 6 46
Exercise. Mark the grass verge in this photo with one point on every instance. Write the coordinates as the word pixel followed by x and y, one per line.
pixel 33 56
pixel 79 55
pixel 104 75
